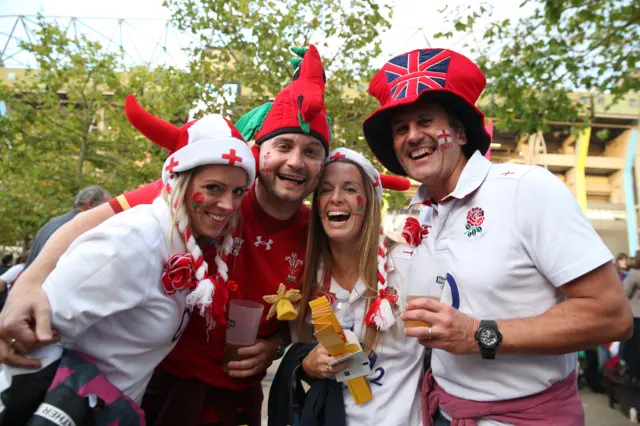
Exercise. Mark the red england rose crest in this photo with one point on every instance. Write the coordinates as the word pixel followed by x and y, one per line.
pixel 475 219
pixel 179 273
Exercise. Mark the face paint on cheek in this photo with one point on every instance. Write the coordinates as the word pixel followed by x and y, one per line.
pixel 265 166
pixel 360 204
pixel 197 199
pixel 445 141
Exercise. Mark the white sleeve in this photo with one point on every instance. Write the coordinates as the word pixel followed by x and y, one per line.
pixel 556 234
pixel 105 271
pixel 12 273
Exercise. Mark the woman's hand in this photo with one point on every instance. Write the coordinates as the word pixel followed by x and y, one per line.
pixel 316 363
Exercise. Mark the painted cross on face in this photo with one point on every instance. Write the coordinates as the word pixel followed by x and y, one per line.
pixel 444 139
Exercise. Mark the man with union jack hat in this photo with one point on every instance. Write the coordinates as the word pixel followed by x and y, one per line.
pixel 506 240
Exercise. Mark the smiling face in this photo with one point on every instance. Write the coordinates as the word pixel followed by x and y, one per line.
pixel 290 165
pixel 427 146
pixel 212 196
pixel 342 202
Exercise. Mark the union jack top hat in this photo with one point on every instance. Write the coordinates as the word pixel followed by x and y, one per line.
pixel 437 75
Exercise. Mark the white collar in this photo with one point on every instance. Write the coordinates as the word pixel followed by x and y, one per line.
pixel 472 176
pixel 341 294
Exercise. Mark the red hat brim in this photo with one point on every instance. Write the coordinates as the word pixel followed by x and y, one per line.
pixel 377 127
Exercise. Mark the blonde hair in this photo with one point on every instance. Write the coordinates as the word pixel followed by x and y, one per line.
pixel 174 194
pixel 318 255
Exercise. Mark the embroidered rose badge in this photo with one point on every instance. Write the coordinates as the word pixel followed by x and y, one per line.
pixel 475 218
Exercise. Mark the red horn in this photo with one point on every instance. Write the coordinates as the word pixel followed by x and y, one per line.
pixel 158 131
pixel 395 183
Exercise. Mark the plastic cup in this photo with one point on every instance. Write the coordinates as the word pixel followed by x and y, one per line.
pixel 427 283
pixel 244 322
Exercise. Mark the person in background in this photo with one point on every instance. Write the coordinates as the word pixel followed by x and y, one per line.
pixel 622 265
pixel 630 350
pixel 10 276
pixel 7 262
pixel 87 198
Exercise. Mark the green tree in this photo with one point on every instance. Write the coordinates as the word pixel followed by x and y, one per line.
pixel 247 42
pixel 65 128
pixel 533 63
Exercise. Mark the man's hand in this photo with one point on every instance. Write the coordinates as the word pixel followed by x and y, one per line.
pixel 451 330
pixel 25 305
pixel 259 358
pixel 316 363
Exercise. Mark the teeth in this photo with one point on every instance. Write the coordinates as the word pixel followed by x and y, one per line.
pixel 332 214
pixel 293 178
pixel 421 152
pixel 217 218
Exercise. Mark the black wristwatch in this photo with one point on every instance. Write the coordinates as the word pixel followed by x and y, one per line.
pixel 489 338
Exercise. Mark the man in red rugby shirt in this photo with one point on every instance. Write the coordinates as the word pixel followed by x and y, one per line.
pixel 293 138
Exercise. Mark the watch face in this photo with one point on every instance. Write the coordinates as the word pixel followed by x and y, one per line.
pixel 488 337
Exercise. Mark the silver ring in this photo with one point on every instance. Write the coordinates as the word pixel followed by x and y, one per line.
pixel 12 341
pixel 429 333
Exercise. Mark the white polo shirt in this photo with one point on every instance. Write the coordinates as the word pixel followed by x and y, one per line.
pixel 397 364
pixel 107 300
pixel 532 239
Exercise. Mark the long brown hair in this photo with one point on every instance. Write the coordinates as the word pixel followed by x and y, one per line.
pixel 318 255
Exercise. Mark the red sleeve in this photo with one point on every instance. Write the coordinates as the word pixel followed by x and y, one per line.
pixel 143 195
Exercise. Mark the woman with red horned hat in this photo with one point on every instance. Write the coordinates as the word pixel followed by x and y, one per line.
pixel 366 277
pixel 123 292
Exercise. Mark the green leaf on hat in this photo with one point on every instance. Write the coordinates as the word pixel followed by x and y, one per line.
pixel 295 62
pixel 303 124
pixel 253 120
pixel 298 50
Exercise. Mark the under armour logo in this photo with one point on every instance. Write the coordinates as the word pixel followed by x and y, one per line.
pixel 265 243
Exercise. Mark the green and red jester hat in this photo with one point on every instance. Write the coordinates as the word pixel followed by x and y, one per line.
pixel 298 108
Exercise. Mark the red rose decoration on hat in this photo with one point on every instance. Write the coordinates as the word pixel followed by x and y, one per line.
pixel 413 232
pixel 179 273
pixel 475 219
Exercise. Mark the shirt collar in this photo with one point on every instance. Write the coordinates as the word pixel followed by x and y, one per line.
pixel 358 290
pixel 472 176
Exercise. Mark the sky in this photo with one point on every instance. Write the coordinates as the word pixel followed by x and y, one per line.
pixel 413 25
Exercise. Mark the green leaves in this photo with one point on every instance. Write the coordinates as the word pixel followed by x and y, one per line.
pixel 66 129
pixel 534 64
